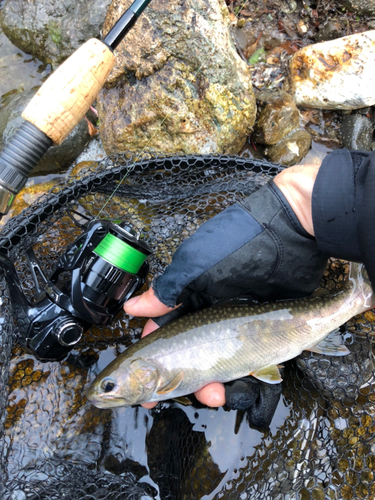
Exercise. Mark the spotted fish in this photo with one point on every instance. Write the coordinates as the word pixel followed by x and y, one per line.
pixel 223 343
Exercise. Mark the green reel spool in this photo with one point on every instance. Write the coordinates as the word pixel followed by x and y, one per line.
pixel 120 254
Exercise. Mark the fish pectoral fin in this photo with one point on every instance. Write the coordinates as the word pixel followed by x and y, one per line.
pixel 172 384
pixel 183 400
pixel 331 345
pixel 320 292
pixel 269 374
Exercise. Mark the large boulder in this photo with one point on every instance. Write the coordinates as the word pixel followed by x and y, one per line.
pixel 51 30
pixel 178 84
pixel 338 74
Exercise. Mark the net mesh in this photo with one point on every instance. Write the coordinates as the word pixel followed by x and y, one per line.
pixel 54 445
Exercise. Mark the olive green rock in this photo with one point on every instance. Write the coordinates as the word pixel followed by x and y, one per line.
pixel 178 84
pixel 276 120
pixel 291 149
pixel 51 30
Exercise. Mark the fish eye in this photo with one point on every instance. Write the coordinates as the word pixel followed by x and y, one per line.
pixel 107 385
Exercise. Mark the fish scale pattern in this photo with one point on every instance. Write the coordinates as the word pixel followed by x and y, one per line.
pixel 54 445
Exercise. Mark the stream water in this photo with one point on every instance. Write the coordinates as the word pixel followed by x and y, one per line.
pixel 18 71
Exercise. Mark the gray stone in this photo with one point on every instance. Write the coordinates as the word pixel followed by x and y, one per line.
pixel 178 84
pixel 364 7
pixel 51 30
pixel 357 131
pixel 291 149
pixel 329 31
pixel 57 158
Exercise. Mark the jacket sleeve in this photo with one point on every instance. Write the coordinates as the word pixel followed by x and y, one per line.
pixel 343 207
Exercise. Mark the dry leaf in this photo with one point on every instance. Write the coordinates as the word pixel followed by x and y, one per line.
pixel 92 130
pixel 249 51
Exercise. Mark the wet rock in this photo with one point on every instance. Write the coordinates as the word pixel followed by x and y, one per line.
pixel 364 7
pixel 291 149
pixel 357 132
pixel 249 33
pixel 186 91
pixel 51 30
pixel 323 125
pixel 46 406
pixel 57 158
pixel 329 31
pixel 337 74
pixel 276 120
pixel 27 196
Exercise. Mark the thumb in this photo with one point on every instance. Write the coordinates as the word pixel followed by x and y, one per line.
pixel 147 305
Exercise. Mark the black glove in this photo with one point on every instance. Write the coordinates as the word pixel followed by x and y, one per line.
pixel 256 249
pixel 258 398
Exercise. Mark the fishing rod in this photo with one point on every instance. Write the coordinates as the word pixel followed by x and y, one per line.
pixel 60 104
pixel 107 264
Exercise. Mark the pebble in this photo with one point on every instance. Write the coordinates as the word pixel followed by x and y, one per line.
pixel 290 150
pixel 276 120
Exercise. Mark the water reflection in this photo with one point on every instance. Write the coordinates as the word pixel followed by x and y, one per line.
pixel 313 443
pixel 18 70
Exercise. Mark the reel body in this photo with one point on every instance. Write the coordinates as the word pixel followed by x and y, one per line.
pixel 97 273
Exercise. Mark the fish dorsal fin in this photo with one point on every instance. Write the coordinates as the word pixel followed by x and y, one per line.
pixel 172 384
pixel 269 374
pixel 331 345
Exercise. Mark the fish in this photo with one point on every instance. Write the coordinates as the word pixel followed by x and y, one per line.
pixel 224 343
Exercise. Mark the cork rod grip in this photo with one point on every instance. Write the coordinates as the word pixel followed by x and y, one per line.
pixel 64 99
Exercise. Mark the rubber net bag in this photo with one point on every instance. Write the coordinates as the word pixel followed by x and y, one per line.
pixel 55 445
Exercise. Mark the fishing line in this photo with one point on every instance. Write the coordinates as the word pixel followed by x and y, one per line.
pixel 148 142
pixel 120 254
pixel 129 170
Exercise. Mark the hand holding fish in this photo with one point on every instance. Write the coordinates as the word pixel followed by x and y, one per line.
pixel 296 183
pixel 147 305
pixel 262 248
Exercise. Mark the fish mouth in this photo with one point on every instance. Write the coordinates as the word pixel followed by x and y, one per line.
pixel 107 402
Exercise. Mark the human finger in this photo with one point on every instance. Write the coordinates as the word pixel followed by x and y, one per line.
pixel 147 305
pixel 149 327
pixel 212 395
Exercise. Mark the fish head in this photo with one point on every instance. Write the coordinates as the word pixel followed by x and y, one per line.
pixel 132 382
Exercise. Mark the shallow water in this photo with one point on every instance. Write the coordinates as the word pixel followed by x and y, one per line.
pixel 19 71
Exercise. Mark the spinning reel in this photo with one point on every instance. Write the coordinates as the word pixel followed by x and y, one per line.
pixel 107 264
pixel 98 272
